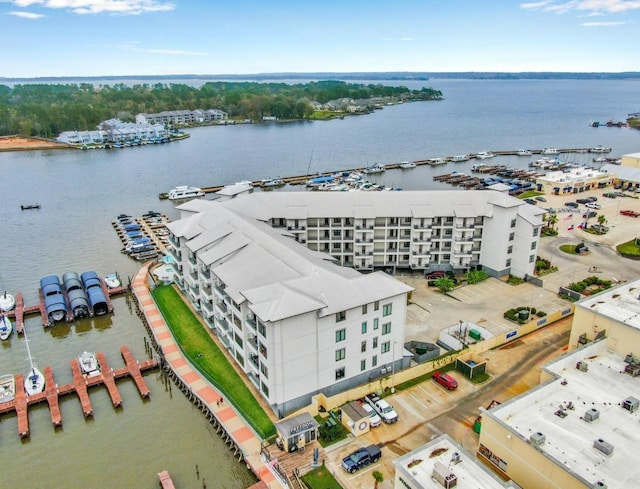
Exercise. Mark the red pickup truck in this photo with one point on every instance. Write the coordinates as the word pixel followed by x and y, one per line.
pixel 630 213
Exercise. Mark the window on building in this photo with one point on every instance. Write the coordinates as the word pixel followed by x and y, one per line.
pixel 364 327
pixel 533 245
pixel 511 236
pixel 336 246
pixel 264 370
pixel 376 305
pixel 513 223
pixel 535 232
pixel 386 328
pixel 449 220
pixel 237 339
pixel 337 233
pixel 508 263
pixel 265 389
pixel 262 349
pixel 364 308
pixel 337 220
pixel 341 335
pixel 363 346
pixel 341 354
pixel 374 361
pixel 385 347
pixel 510 249
pixel 532 258
pixel 387 309
pixel 375 342
pixel 340 373
pixel 363 365
pixel 341 316
pixel 376 322
pixel 262 329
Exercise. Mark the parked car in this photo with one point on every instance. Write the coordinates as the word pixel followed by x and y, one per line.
pixel 361 458
pixel 571 204
pixel 630 213
pixel 589 214
pixel 582 201
pixel 609 195
pixel 434 275
pixel 374 418
pixel 541 199
pixel 593 198
pixel 600 228
pixel 592 205
pixel 445 380
pixel 531 201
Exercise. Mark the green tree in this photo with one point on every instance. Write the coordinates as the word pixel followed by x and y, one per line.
pixel 378 477
pixel 444 284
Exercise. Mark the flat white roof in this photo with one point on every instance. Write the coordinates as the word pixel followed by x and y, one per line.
pixel 469 472
pixel 573 175
pixel 557 410
pixel 621 303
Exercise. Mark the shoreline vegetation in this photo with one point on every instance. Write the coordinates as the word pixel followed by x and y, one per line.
pixel 45 110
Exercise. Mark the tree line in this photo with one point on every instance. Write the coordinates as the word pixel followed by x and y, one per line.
pixel 46 110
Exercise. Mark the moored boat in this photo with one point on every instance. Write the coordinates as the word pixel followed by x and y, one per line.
pixel 112 281
pixel 550 151
pixel 460 158
pixel 34 381
pixel 7 388
pixel 483 155
pixel 7 302
pixel 185 192
pixel 524 152
pixel 76 295
pixel 54 301
pixel 599 149
pixel 272 182
pixel 93 288
pixel 376 168
pixel 89 363
pixel 6 327
pixel 406 165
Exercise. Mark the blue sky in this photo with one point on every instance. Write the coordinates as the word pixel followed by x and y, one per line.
pixel 41 38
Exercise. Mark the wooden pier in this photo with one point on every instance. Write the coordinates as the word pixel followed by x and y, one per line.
pixel 52 393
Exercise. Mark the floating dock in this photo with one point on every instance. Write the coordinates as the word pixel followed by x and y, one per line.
pixel 107 376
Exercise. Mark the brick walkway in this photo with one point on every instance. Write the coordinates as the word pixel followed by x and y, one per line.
pixel 239 430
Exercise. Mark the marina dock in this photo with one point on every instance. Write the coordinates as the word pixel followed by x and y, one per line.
pixel 52 393
pixel 302 179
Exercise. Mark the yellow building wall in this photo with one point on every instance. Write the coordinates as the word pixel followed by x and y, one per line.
pixel 631 160
pixel 621 338
pixel 525 464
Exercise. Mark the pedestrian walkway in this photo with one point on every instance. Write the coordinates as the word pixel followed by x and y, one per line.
pixel 235 426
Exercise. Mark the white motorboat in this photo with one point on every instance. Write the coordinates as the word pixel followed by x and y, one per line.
pixel 7 388
pixel 599 149
pixel 34 380
pixel 406 165
pixel 459 158
pixel 550 151
pixel 112 281
pixel 89 363
pixel 185 192
pixel 377 168
pixel 272 182
pixel 524 152
pixel 7 302
pixel 437 161
pixel 483 155
pixel 6 327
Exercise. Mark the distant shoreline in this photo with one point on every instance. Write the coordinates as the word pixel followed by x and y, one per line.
pixel 19 143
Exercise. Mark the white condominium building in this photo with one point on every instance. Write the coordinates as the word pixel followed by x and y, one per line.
pixel 264 272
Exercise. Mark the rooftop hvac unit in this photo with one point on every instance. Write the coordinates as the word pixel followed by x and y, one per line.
pixel 591 415
pixel 599 485
pixel 582 366
pixel 631 404
pixel 455 458
pixel 603 446
pixel 444 476
pixel 538 439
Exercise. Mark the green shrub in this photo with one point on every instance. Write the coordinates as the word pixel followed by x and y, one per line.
pixel 476 276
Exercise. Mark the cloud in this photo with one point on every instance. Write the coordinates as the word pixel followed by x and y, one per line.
pixel 590 7
pixel 26 15
pixel 133 46
pixel 121 7
pixel 602 24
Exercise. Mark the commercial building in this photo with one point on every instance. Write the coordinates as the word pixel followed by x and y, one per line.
pixel 579 427
pixel 278 275
pixel 442 463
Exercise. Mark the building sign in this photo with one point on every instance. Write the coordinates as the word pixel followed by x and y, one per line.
pixel 511 334
pixel 301 427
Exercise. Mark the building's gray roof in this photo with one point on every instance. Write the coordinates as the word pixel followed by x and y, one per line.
pixel 620 303
pixel 355 411
pixel 623 172
pixel 296 424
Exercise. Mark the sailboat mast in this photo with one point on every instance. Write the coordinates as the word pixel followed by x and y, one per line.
pixel 26 342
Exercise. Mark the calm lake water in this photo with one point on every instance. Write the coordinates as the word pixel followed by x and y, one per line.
pixel 81 193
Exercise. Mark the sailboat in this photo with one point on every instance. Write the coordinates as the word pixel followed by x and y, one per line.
pixel 5 327
pixel 34 381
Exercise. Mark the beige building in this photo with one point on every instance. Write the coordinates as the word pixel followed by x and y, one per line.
pixel 579 427
pixel 574 181
pixel 632 160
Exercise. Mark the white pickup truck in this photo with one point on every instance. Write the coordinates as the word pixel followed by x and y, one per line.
pixel 383 408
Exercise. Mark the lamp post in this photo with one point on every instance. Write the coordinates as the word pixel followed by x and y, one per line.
pixel 393 367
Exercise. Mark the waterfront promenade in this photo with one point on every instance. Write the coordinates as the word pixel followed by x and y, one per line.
pixel 236 428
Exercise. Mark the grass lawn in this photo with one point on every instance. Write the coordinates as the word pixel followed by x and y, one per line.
pixel 204 354
pixel 629 249
pixel 321 478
